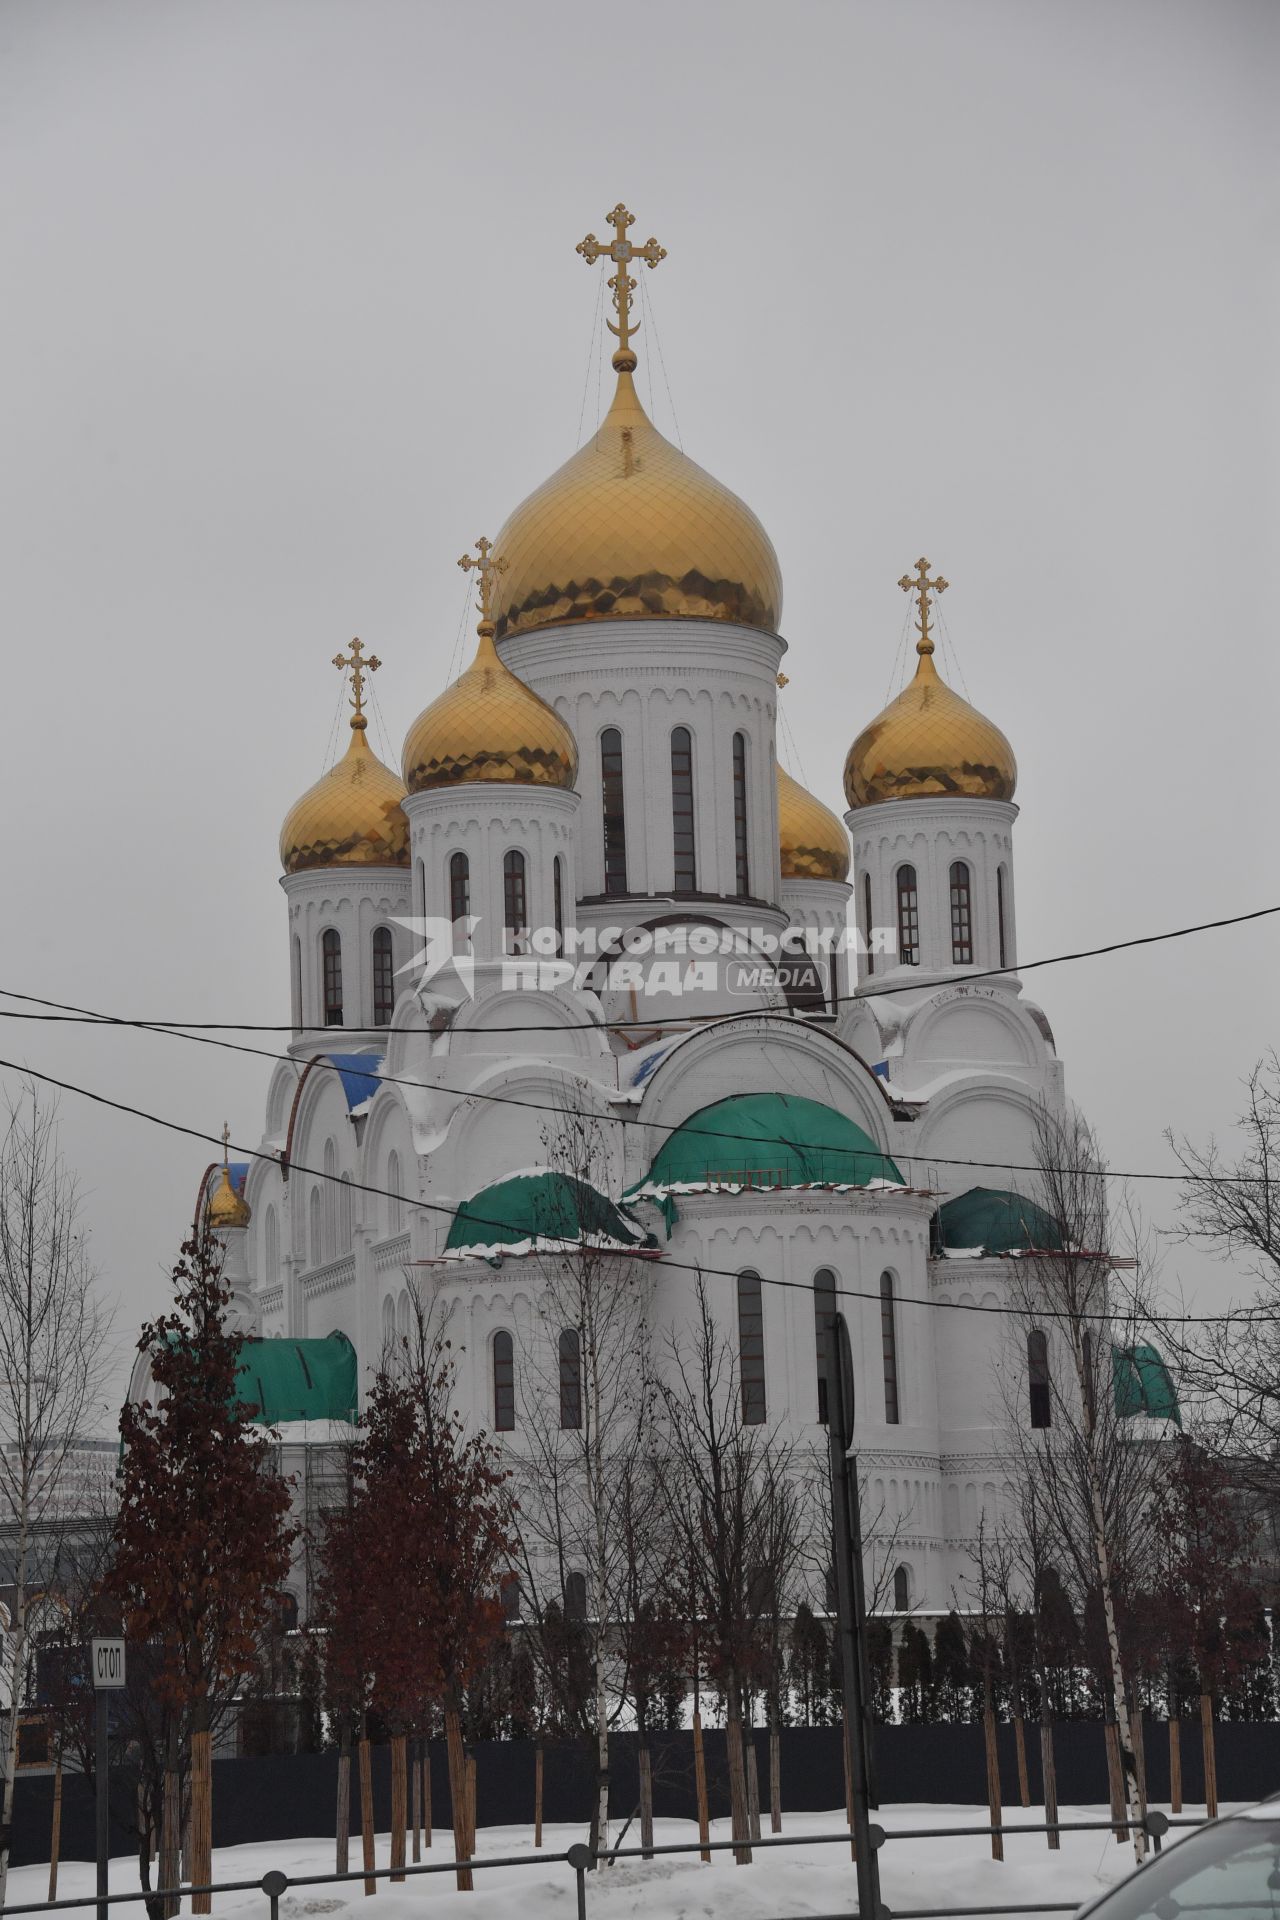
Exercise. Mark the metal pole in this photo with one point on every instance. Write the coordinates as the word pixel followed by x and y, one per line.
pixel 100 1704
pixel 850 1606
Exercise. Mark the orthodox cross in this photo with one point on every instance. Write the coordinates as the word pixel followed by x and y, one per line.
pixel 922 586
pixel 226 1141
pixel 622 253
pixel 486 569
pixel 358 666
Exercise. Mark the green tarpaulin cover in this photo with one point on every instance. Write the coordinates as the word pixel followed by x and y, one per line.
pixel 996 1221
pixel 1143 1384
pixel 539 1212
pixel 766 1140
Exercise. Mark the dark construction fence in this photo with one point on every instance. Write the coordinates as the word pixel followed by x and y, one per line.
pixel 291 1796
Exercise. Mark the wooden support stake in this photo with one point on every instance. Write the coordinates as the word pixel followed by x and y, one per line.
pixel 1210 1756
pixel 775 1780
pixel 342 1822
pixel 426 1793
pixel 1020 1748
pixel 55 1837
pixel 1175 1763
pixel 1049 1772
pixel 993 1782
pixel 366 1811
pixel 458 1795
pixel 201 1820
pixel 646 1799
pixel 537 1795
pixel 416 1786
pixel 700 1781
pixel 399 1802
pixel 753 1780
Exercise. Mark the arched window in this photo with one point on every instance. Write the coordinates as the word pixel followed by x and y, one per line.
pixel 270 1248
pixel 682 823
pixel 901 1590
pixel 330 1190
pixel 504 1383
pixel 420 890
pixel 575 1596
pixel 395 1206
pixel 570 1350
pixel 908 918
pixel 866 919
pixel 824 1316
pixel 557 882
pixel 331 953
pixel 741 871
pixel 1038 1396
pixel 288 1611
pixel 511 1598
pixel 459 896
pixel 388 1327
pixel 751 1348
pixel 297 983
pixel 515 908
pixel 404 1318
pixel 384 991
pixel 889 1347
pixel 346 1214
pixel 315 1243
pixel 1090 1383
pixel 961 916
pixel 1000 916
pixel 615 817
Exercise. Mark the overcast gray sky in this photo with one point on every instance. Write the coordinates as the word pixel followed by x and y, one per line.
pixel 293 313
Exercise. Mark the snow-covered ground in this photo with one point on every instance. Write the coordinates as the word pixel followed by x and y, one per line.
pixel 786 1881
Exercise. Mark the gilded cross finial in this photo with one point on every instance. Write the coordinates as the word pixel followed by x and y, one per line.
pixel 357 665
pixel 486 569
pixel 226 1141
pixel 622 253
pixel 922 586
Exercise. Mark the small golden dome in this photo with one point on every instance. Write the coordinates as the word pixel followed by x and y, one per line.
pixel 812 840
pixel 630 528
pixel 350 818
pixel 489 726
pixel 226 1207
pixel 929 742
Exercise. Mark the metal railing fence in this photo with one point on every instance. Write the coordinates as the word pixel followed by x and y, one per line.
pixel 580 1860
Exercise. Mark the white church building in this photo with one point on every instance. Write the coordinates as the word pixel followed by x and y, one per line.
pixel 568 900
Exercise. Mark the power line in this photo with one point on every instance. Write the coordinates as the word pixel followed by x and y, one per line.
pixel 693 1020
pixel 1255 1316
pixel 86 1016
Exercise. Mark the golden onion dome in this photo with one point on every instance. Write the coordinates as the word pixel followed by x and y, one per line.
pixel 812 840
pixel 226 1207
pixel 350 818
pixel 631 528
pixel 489 726
pixel 929 742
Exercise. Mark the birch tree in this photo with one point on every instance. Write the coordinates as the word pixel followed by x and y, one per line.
pixel 54 1359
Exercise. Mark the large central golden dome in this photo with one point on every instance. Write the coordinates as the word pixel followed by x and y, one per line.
pixel 631 528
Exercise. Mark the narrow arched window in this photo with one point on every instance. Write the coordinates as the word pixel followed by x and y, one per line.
pixel 459 896
pixel 908 917
pixel 615 815
pixel 330 1200
pixel 1038 1393
pixel 297 983
pixel 889 1348
pixel 557 882
pixel 270 1249
pixel 395 1206
pixel 331 953
pixel 384 991
pixel 346 1214
pixel 751 1348
pixel 575 1596
pixel 504 1383
pixel 570 1353
pixel 421 889
pixel 388 1328
pixel 314 1240
pixel 682 822
pixel 901 1590
pixel 404 1318
pixel 511 1596
pixel 741 871
pixel 961 916
pixel 824 1319
pixel 866 922
pixel 1000 922
pixel 515 908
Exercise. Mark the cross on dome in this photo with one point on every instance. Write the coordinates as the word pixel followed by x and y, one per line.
pixel 486 569
pixel 226 1141
pixel 922 586
pixel 357 665
pixel 621 252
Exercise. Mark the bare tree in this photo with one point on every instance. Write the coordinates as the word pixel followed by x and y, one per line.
pixel 1095 1476
pixel 737 1507
pixel 1231 1205
pixel 54 1358
pixel 587 1512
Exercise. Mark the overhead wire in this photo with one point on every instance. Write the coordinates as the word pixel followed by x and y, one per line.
pixel 1255 1316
